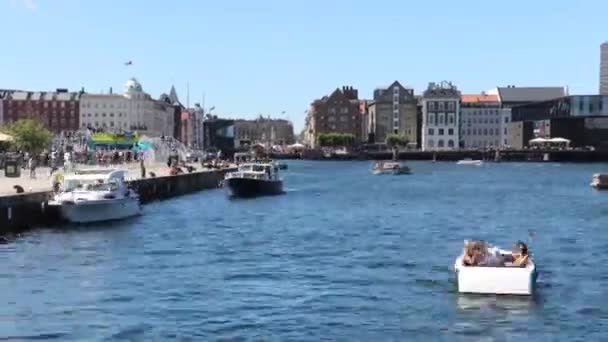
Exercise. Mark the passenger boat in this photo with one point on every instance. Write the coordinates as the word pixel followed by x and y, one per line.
pixel 599 181
pixel 390 168
pixel 469 161
pixel 96 195
pixel 253 179
pixel 496 280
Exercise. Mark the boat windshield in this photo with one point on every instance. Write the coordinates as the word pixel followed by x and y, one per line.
pixel 253 168
pixel 93 185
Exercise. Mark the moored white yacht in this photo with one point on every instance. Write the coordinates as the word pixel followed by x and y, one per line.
pixel 390 168
pixel 95 195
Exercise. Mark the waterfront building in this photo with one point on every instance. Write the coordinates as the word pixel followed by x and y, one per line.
pixel 134 110
pixel 337 113
pixel 511 96
pixel 57 110
pixel 265 131
pixel 566 106
pixel 2 96
pixel 582 131
pixel 218 134
pixel 393 111
pixel 366 131
pixel 604 69
pixel 440 109
pixel 483 123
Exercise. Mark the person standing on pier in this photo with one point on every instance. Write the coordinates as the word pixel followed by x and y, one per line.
pixel 32 166
pixel 142 167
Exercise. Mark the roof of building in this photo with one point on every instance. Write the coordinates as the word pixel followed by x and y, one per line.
pixel 478 98
pixel 529 94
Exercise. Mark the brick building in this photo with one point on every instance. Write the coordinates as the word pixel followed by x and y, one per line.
pixel 336 113
pixel 58 110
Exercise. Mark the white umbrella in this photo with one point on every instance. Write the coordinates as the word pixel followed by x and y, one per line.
pixel 559 140
pixel 538 141
pixel 5 137
pixel 296 145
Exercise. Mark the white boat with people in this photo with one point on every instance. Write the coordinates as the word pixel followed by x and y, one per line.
pixel 469 161
pixel 390 168
pixel 254 179
pixel 96 195
pixel 483 269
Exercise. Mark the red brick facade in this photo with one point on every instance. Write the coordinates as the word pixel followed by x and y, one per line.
pixel 58 111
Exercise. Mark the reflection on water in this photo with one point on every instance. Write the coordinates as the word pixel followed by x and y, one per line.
pixel 515 304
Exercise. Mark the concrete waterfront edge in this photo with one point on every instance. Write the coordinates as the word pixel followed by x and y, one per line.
pixel 24 211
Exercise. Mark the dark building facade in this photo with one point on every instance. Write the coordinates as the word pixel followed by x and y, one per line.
pixel 219 134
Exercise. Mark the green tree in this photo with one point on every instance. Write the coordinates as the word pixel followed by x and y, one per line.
pixel 394 141
pixel 29 135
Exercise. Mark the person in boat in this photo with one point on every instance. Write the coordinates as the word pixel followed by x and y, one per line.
pixel 519 255
pixel 476 253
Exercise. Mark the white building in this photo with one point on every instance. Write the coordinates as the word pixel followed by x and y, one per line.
pixel 440 109
pixel 604 69
pixel 483 123
pixel 134 110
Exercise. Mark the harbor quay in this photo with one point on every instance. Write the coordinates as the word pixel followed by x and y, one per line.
pixel 23 211
pixel 523 155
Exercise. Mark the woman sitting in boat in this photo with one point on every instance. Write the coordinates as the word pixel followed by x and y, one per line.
pixel 519 255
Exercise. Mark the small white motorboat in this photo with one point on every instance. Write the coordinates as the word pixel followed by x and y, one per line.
pixel 390 168
pixel 496 280
pixel 599 181
pixel 469 161
pixel 96 195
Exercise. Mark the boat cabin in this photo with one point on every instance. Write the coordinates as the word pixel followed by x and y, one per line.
pixel 243 157
pixel 267 171
pixel 95 180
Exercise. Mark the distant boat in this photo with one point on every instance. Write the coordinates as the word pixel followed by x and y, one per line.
pixel 390 168
pixel 599 181
pixel 469 161
pixel 253 179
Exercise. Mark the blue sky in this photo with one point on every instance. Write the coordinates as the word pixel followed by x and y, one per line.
pixel 269 56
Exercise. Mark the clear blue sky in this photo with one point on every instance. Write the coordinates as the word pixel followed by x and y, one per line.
pixel 269 56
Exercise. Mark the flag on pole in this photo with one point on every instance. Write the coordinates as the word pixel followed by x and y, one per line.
pixel 128 63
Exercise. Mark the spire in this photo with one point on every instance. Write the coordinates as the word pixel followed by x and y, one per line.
pixel 173 95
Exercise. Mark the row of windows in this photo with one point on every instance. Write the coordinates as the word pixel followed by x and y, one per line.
pixel 103 124
pixel 476 144
pixel 103 115
pixel 481 112
pixel 581 106
pixel 485 131
pixel 103 105
pixel 440 119
pixel 484 121
pixel 441 131
pixel 441 105
pixel 45 104
pixel 343 110
pixel 440 143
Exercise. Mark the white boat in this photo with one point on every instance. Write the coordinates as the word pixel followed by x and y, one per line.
pixel 96 195
pixel 469 161
pixel 599 181
pixel 390 168
pixel 496 280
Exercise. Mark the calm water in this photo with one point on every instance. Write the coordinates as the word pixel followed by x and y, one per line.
pixel 344 255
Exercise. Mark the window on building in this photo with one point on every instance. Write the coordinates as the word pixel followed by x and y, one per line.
pixel 332 110
pixel 111 115
pixel 440 143
pixel 103 115
pixel 580 104
pixel 431 131
pixel 96 114
pixel 600 105
pixel 506 142
pixel 396 90
pixel 396 98
pixel 451 119
pixel 111 123
pixel 506 119
pixel 441 118
pixel 431 143
pixel 396 106
pixel 496 132
pixel 505 131
pixel 396 131
pixel 485 131
pixel 451 105
pixel 450 131
pixel 96 124
pixel 431 105
pixel 441 131
pixel 344 110
pixel 590 106
pixel 62 104
pixel 474 131
pixel 450 143
pixel 441 106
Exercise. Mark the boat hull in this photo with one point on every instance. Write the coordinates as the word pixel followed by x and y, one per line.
pixel 99 211
pixel 495 280
pixel 246 187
